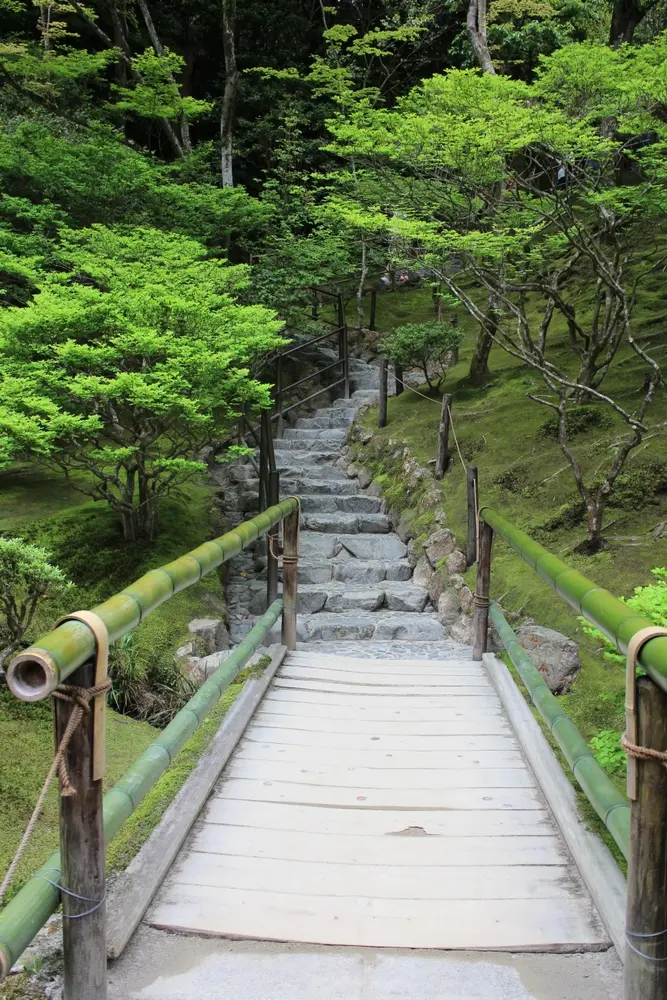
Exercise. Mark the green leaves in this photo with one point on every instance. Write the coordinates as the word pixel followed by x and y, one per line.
pixel 427 346
pixel 26 577
pixel 155 94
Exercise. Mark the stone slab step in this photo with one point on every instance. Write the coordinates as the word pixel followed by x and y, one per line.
pixel 355 503
pixel 299 485
pixel 310 456
pixel 291 468
pixel 320 546
pixel 345 596
pixel 350 523
pixel 314 434
pixel 354 571
pixel 378 625
pixel 328 419
pixel 318 446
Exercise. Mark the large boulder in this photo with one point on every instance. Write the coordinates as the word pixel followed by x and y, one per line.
pixel 554 654
pixel 209 635
pixel 438 583
pixel 439 545
pixel 448 607
pixel 456 562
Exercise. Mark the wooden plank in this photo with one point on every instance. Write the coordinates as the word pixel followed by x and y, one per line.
pixel 378 822
pixel 333 879
pixel 351 741
pixel 533 924
pixel 334 776
pixel 353 712
pixel 361 690
pixel 326 848
pixel 492 726
pixel 398 760
pixel 393 682
pixel 288 696
pixel 372 798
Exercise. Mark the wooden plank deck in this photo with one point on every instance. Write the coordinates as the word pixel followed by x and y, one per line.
pixel 383 803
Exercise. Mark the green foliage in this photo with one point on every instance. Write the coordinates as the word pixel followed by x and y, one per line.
pixel 578 420
pixel 640 486
pixel 608 752
pixel 129 360
pixel 156 94
pixel 426 346
pixel 27 577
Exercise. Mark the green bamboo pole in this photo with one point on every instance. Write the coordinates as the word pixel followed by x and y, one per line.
pixel 611 805
pixel 614 618
pixel 34 673
pixel 29 910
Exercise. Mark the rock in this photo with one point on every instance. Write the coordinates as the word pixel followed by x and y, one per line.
pixel 365 435
pixel 554 655
pixel 438 583
pixel 406 599
pixel 404 532
pixel 456 581
pixel 374 490
pixel 355 600
pixel 461 630
pixel 186 650
pixel 211 633
pixel 365 478
pixel 423 573
pixel 352 470
pixel 415 552
pixel 466 601
pixel 448 607
pixel 456 562
pixel 439 545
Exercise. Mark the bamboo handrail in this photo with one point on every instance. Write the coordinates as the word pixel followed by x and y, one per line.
pixel 37 671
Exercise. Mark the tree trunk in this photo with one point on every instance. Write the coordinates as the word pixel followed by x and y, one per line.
pixel 595 510
pixel 159 50
pixel 229 95
pixel 361 319
pixel 625 17
pixel 476 28
pixel 479 365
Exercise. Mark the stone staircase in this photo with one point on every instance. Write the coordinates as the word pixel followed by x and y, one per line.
pixel 355 580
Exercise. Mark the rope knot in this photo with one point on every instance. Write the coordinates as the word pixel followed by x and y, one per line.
pixel 79 697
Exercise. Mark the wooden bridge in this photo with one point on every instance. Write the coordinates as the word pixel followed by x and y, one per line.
pixel 388 786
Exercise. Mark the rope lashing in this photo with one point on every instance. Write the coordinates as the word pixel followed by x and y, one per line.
pixel 629 742
pixel 81 698
pixel 481 602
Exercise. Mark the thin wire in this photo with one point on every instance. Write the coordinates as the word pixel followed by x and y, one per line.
pixel 75 895
pixel 648 958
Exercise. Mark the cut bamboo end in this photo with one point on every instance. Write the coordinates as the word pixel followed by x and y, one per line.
pixel 32 675
pixel 5 963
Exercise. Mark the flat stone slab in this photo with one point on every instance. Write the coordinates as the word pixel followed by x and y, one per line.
pixel 340 596
pixel 359 502
pixel 298 484
pixel 378 625
pixel 353 571
pixel 345 522
pixel 315 434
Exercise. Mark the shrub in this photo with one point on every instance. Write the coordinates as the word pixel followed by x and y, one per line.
pixel 26 578
pixel 425 346
pixel 578 420
pixel 633 490
pixel 608 752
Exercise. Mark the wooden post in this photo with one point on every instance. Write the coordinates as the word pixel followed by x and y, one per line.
pixel 82 852
pixel 481 596
pixel 263 465
pixel 471 547
pixel 279 396
pixel 290 572
pixel 398 376
pixel 272 541
pixel 646 921
pixel 382 411
pixel 346 363
pixel 374 302
pixel 442 457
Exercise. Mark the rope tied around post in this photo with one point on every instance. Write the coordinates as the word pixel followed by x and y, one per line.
pixel 79 697
pixel 629 742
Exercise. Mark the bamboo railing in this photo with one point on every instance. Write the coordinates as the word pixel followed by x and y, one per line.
pixel 35 673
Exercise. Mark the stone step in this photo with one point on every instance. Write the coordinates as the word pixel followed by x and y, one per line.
pixel 295 484
pixel 350 523
pixel 355 503
pixel 378 626
pixel 343 597
pixel 319 446
pixel 292 468
pixel 356 571
pixel 356 399
pixel 320 546
pixel 321 433
pixel 311 456
pixel 327 419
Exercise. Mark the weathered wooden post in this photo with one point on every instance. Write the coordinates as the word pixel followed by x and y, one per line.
pixel 398 376
pixel 382 409
pixel 346 365
pixel 481 596
pixel 646 919
pixel 290 572
pixel 471 545
pixel 272 542
pixel 374 302
pixel 279 396
pixel 82 853
pixel 442 457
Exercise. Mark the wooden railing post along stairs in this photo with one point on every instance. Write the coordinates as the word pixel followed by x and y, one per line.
pixel 472 488
pixel 290 575
pixel 374 302
pixel 482 590
pixel 442 455
pixel 382 408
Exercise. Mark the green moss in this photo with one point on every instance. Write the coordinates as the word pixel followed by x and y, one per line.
pixel 22 987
